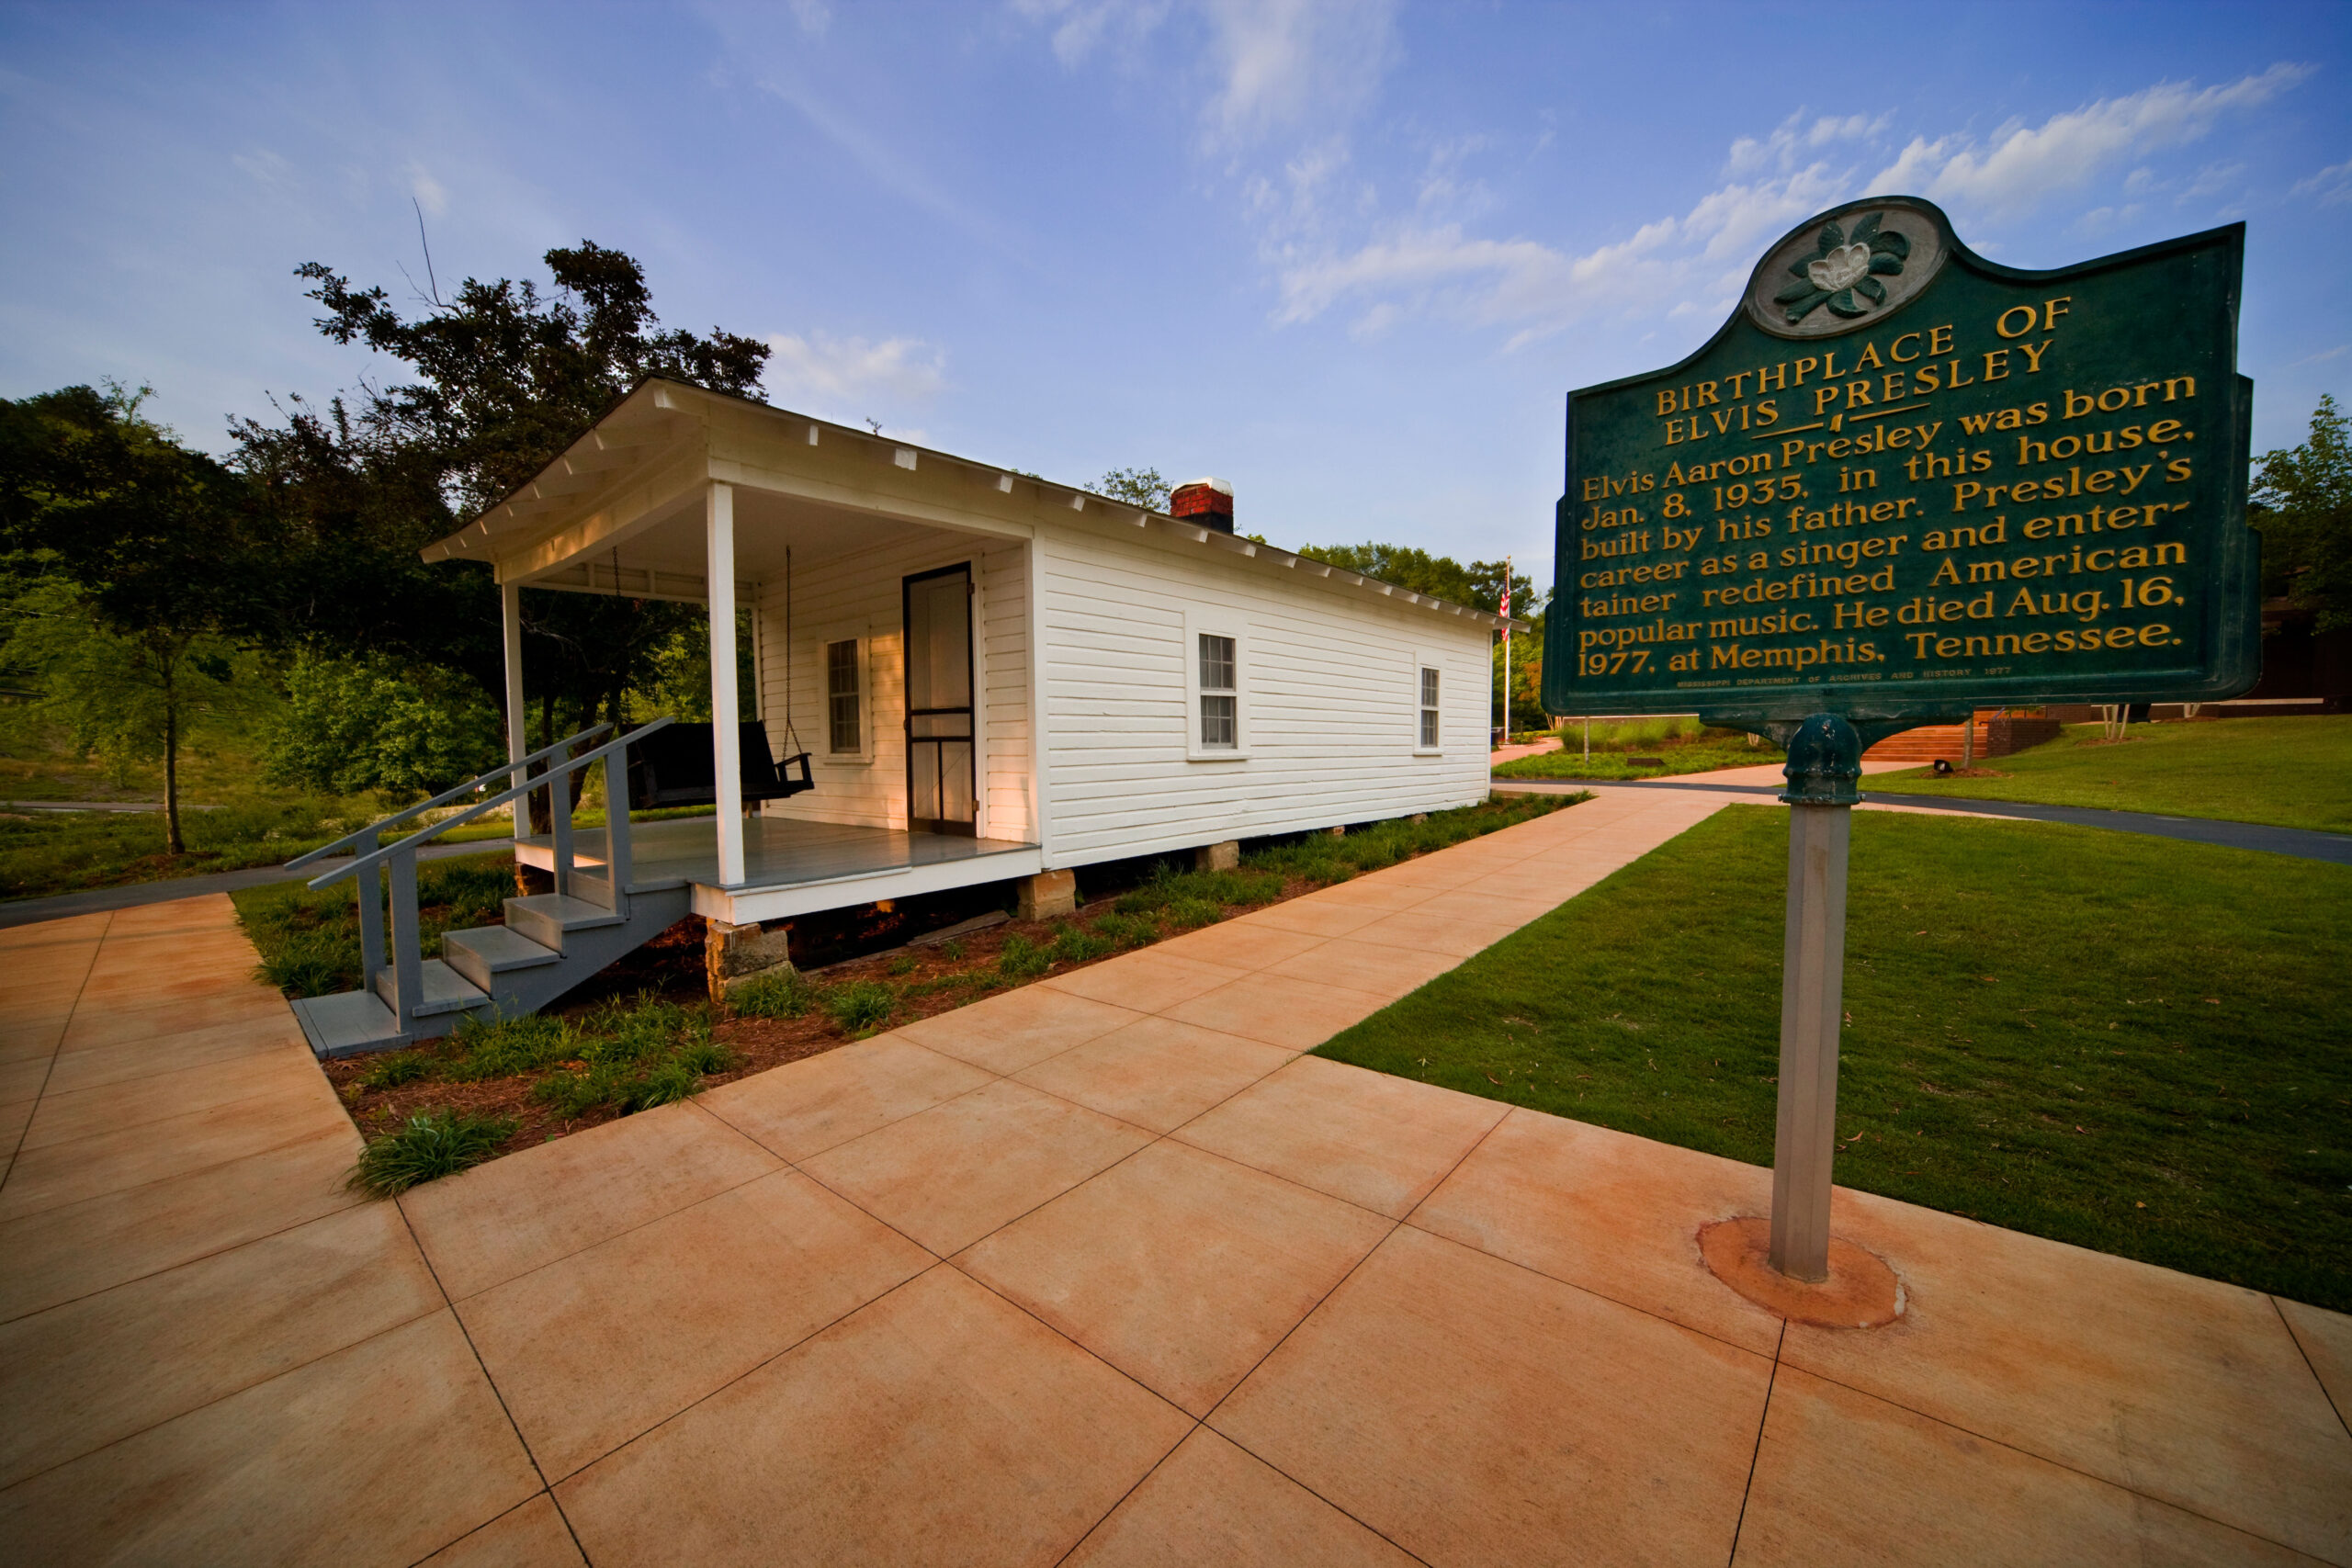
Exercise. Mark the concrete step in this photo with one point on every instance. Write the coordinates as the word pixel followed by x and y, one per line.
pixel 545 917
pixel 348 1024
pixel 486 951
pixel 445 989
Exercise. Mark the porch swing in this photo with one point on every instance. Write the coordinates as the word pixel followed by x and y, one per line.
pixel 674 765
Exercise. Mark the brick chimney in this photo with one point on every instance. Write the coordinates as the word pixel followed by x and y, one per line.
pixel 1209 502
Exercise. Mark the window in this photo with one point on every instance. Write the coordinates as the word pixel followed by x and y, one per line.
pixel 1220 699
pixel 1429 709
pixel 842 699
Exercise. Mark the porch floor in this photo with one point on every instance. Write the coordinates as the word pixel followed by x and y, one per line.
pixel 777 851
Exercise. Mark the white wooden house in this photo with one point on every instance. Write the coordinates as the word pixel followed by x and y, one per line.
pixel 995 677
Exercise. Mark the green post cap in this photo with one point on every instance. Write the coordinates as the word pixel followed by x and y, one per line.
pixel 1825 761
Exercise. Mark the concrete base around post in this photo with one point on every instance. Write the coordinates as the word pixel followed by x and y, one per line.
pixel 734 955
pixel 1048 893
pixel 1811 985
pixel 1218 857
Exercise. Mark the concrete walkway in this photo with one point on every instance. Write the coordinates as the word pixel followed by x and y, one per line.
pixel 1098 1271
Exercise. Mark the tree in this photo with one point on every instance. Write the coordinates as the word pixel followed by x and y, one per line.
pixel 506 378
pixel 150 562
pixel 2303 504
pixel 1441 577
pixel 352 724
pixel 1136 487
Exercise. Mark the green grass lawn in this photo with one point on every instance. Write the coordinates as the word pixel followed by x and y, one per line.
pixel 2286 772
pixel 1679 743
pixel 250 822
pixel 2123 1042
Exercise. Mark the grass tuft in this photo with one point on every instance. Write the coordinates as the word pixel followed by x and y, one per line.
pixel 437 1143
pixel 781 992
pixel 1020 959
pixel 860 1007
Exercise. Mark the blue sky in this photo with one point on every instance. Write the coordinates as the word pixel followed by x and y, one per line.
pixel 1348 256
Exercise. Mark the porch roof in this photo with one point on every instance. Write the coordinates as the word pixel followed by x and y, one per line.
pixel 593 520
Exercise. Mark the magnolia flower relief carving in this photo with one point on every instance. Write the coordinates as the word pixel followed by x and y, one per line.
pixel 1843 272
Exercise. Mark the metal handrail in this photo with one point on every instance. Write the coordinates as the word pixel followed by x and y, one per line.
pixel 399 860
pixel 478 781
pixel 417 840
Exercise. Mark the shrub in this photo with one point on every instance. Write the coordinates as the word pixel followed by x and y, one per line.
pixel 378 723
pixel 437 1144
pixel 861 1006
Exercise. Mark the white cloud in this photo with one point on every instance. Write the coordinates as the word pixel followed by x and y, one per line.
pixel 2022 165
pixel 814 17
pixel 429 191
pixel 1082 27
pixel 1793 139
pixel 844 371
pixel 1436 268
pixel 1288 62
pixel 1276 65
pixel 2331 185
pixel 268 170
pixel 1433 263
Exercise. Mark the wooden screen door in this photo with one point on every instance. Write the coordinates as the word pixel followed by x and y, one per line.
pixel 941 797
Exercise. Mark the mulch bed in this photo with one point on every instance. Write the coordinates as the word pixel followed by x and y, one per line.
pixel 671 966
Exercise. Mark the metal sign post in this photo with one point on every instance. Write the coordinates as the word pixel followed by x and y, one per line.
pixel 1825 761
pixel 1900 483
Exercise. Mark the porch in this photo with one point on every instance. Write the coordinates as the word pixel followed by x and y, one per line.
pixel 793 865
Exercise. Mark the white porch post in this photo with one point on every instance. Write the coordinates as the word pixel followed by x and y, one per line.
pixel 510 609
pixel 726 738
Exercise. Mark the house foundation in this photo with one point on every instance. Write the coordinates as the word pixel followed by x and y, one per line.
pixel 1048 893
pixel 733 956
pixel 1218 857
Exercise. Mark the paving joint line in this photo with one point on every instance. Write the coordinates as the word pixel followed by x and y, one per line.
pixel 2342 1419
pixel 1756 1457
pixel 50 1068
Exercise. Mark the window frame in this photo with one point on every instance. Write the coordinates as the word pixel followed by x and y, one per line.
pixel 1425 666
pixel 1201 622
pixel 821 729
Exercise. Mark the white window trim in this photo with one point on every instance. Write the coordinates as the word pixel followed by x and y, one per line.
pixel 1200 620
pixel 819 740
pixel 1423 659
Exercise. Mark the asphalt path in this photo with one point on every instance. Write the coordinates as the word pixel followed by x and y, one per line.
pixel 25 911
pixel 2301 842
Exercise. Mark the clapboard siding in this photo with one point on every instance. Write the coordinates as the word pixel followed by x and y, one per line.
pixel 859 595
pixel 1330 689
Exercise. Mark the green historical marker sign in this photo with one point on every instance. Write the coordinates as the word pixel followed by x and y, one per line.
pixel 1903 480
pixel 1901 483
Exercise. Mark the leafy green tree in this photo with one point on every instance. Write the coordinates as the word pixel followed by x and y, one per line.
pixel 2303 504
pixel 372 723
pixel 1136 487
pixel 1480 583
pixel 504 376
pixel 150 561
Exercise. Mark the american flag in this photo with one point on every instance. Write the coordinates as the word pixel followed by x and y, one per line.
pixel 1506 610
